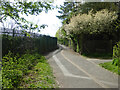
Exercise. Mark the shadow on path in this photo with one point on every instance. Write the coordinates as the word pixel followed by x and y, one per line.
pixel 50 54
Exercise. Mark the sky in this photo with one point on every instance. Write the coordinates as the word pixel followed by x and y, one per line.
pixel 48 18
pixel 45 18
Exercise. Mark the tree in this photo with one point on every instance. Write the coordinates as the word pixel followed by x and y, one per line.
pixel 15 9
pixel 67 11
pixel 100 22
pixel 62 36
pixel 93 26
pixel 98 6
pixel 73 8
pixel 95 20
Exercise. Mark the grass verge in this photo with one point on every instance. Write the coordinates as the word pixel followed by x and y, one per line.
pixel 41 76
pixel 0 75
pixel 26 71
pixel 109 66
pixel 98 55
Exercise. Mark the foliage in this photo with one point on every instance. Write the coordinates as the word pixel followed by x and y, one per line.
pixel 67 11
pixel 62 37
pixel 98 6
pixel 78 49
pixel 111 67
pixel 73 8
pixel 98 24
pixel 61 33
pixel 16 64
pixel 41 76
pixel 0 74
pixel 16 9
pixel 92 23
pixel 91 26
pixel 116 55
pixel 117 24
pixel 114 65
pixel 14 67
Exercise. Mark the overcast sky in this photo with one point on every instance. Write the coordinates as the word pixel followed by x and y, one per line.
pixel 44 18
pixel 48 18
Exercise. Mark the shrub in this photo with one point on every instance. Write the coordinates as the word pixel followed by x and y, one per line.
pixel 14 67
pixel 116 55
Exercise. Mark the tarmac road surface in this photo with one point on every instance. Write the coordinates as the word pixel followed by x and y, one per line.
pixel 75 71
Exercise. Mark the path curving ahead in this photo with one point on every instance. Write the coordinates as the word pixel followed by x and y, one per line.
pixel 74 71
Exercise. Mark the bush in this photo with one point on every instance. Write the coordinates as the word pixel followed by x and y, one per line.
pixel 116 55
pixel 14 67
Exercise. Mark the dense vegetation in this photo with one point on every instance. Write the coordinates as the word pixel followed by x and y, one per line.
pixel 82 25
pixel 14 67
pixel 116 55
pixel 114 66
pixel 16 71
pixel 21 54
pixel 92 28
pixel 41 76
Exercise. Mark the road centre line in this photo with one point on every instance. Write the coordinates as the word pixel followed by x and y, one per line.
pixel 65 71
pixel 98 82
pixel 115 84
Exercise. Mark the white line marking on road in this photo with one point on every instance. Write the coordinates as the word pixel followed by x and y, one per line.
pixel 65 71
pixel 97 81
pixel 105 82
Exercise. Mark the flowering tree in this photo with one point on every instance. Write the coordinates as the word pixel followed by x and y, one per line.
pixel 96 24
pixel 91 23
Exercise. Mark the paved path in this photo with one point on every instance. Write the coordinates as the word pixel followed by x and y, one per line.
pixel 74 71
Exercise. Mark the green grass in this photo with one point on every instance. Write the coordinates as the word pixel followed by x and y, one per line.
pixel 0 75
pixel 109 66
pixel 26 71
pixel 41 76
pixel 98 55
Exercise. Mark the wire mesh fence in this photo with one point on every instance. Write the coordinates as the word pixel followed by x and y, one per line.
pixel 18 42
